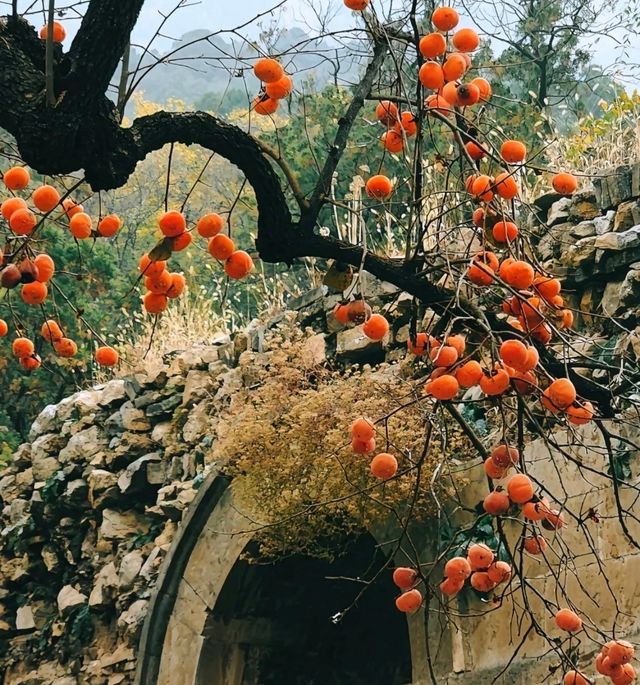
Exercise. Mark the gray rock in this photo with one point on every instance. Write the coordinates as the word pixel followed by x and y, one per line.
pixel 76 490
pixel 24 619
pixel 83 446
pixel 121 525
pixel 104 587
pixel 161 431
pixel 50 558
pixel 164 408
pixel 619 296
pixel 69 598
pixel 44 452
pixel 132 619
pixel 585 229
pixel 354 345
pixel 148 398
pixel 626 216
pixel 134 477
pixel 197 385
pixel 619 241
pixel 559 211
pixel 582 251
pixel 134 419
pixel 129 569
pixel 46 422
pixel 114 391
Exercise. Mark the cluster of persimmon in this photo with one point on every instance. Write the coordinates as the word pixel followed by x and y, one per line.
pixel 276 85
pixel 613 660
pixel 363 441
pixel 162 285
pixel 480 567
pixel 356 312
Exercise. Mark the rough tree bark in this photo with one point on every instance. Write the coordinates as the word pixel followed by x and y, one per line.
pixel 82 131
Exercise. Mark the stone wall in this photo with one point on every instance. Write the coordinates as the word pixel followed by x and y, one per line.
pixel 92 503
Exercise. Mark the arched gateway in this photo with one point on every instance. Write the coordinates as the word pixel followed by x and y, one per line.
pixel 218 620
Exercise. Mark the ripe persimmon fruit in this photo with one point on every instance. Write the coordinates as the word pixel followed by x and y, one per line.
pixel 499 572
pixel 479 556
pixel 181 242
pixel 520 275
pixel 10 205
pixel 46 198
pixel 562 393
pixel 454 67
pixel 387 112
pixel 457 568
pixel 356 5
pixel 520 488
pixel 22 347
pixel 16 178
pixel 155 303
pixel 106 356
pixel 58 33
pixel 495 383
pixel 172 223
pixel 375 327
pixel 432 45
pixel 80 225
pixel 505 456
pixel 445 18
pixel 574 678
pixel 238 264
pixel 504 231
pixel 4 328
pixel 363 446
pixel 514 353
pixel 409 601
pixel 444 355
pixel 468 94
pixel 483 86
pixel 362 429
pixel 404 577
pixel 505 186
pixel 420 345
pixel 384 466
pixel 493 470
pixel 109 225
pixel 496 503
pixel 22 221
pixel 71 207
pixel 34 293
pixel 513 151
pixel 475 150
pixel 265 106
pixel 431 75
pixel 268 70
pixel 482 188
pixel 466 40
pixel 177 286
pixel 568 620
pixel 65 347
pixel 564 183
pixel 406 123
pixel 279 89
pixel 210 225
pixel 481 581
pixel 451 586
pixel 158 284
pixel 580 414
pixel 379 187
pixel 443 388
pixel 149 268
pixel 51 331
pixel 535 544
pixel 30 363
pixel 221 247
pixel 392 141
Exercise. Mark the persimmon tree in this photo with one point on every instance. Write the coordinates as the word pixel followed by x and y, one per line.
pixel 502 333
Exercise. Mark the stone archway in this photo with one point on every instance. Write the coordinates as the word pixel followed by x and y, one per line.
pixel 218 620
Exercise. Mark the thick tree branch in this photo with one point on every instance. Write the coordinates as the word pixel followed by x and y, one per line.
pixel 99 45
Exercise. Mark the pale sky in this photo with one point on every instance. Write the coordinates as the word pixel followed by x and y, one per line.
pixel 215 15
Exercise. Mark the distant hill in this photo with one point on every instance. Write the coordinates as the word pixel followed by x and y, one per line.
pixel 201 70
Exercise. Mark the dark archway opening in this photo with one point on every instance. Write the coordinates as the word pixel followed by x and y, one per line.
pixel 272 625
